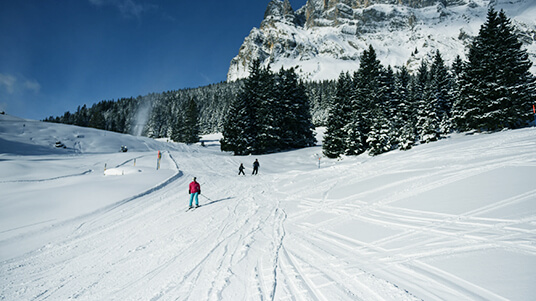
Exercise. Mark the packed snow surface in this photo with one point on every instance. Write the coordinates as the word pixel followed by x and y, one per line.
pixel 450 220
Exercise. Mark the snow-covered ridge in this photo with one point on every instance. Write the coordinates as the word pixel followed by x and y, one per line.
pixel 324 38
pixel 20 136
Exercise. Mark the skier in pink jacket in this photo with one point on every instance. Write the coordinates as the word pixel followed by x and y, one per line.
pixel 194 191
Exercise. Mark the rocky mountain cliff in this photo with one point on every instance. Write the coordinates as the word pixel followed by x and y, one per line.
pixel 325 37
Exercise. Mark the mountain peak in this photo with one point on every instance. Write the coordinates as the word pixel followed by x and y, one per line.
pixel 278 8
pixel 280 11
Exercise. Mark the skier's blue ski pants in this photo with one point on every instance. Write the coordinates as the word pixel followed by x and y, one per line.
pixel 196 196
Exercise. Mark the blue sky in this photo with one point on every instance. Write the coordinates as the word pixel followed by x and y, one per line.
pixel 57 55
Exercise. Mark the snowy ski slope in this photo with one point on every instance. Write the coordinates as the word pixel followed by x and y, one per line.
pixel 451 220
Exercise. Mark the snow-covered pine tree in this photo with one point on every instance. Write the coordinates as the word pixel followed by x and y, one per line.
pixel 191 127
pixel 398 106
pixel 457 69
pixel 459 103
pixel 519 83
pixel 96 119
pixel 82 116
pixel 334 142
pixel 177 133
pixel 387 101
pixel 442 90
pixel 297 127
pixel 354 134
pixel 429 123
pixel 240 130
pixel 158 119
pixel 379 138
pixel 270 113
pixel 365 99
pixel 403 119
pixel 445 126
pixel 427 126
pixel 320 95
pixel 496 87
pixel 239 127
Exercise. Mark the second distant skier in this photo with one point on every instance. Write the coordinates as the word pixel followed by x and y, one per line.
pixel 255 167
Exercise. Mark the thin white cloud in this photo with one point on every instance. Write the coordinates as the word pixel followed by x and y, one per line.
pixel 11 84
pixel 8 82
pixel 32 85
pixel 128 8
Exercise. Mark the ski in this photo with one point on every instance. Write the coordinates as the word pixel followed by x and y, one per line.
pixel 192 208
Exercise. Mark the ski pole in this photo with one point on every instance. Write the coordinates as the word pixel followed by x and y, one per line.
pixel 205 197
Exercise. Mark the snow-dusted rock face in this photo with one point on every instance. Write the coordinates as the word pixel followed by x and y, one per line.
pixel 326 37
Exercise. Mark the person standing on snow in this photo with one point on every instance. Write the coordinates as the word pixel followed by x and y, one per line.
pixel 194 191
pixel 241 169
pixel 255 167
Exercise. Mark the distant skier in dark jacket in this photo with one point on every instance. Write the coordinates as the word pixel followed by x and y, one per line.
pixel 241 169
pixel 255 167
pixel 194 190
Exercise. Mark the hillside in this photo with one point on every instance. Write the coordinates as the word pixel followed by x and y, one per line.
pixel 451 220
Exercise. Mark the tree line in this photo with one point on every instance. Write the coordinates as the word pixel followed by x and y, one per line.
pixel 158 115
pixel 167 112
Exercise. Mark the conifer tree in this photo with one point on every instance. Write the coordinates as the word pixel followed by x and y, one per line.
pixel 355 133
pixel 240 128
pixel 235 126
pixel 96 119
pixel 297 127
pixel 457 69
pixel 387 101
pixel 366 84
pixel 177 133
pixel 365 99
pixel 458 120
pixel 496 87
pixel 340 112
pixel 519 84
pixel 270 113
pixel 191 127
pixel 379 138
pixel 441 85
pixel 403 117
pixel 428 122
pixel 428 125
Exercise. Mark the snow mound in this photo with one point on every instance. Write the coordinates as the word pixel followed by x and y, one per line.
pixel 121 171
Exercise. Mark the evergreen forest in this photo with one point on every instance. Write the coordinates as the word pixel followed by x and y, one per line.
pixel 376 110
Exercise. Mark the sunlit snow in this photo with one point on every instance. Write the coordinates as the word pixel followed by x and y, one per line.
pixel 449 220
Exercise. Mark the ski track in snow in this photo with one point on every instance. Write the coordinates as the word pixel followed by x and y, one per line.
pixel 48 179
pixel 348 231
pixel 450 234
